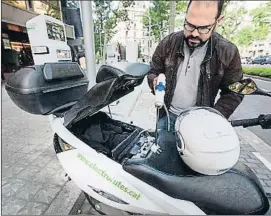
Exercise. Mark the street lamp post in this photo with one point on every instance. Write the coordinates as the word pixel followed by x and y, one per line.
pixel 88 30
pixel 149 38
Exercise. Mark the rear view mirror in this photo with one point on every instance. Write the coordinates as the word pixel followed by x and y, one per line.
pixel 247 87
pixel 244 87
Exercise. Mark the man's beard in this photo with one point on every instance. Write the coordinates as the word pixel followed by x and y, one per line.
pixel 192 44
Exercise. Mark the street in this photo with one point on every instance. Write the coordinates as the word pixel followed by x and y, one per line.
pixel 254 105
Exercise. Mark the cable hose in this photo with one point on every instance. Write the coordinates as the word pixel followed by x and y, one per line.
pixel 168 119
pixel 157 118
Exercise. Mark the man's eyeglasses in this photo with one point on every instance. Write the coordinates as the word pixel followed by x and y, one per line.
pixel 201 29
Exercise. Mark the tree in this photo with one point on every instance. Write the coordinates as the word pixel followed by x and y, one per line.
pixel 261 21
pixel 106 21
pixel 232 20
pixel 51 11
pixel 159 16
pixel 244 37
pixel 258 29
pixel 261 15
pixel 181 7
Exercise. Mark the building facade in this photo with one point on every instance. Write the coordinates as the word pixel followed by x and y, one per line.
pixel 14 40
pixel 257 48
pixel 133 30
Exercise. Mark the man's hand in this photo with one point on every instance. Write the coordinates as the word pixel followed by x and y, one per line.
pixel 157 64
pixel 155 83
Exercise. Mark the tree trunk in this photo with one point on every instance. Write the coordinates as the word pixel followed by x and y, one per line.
pixel 101 47
pixel 172 14
pixel 105 46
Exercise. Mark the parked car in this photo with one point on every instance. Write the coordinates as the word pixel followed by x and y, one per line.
pixel 245 60
pixel 268 60
pixel 259 60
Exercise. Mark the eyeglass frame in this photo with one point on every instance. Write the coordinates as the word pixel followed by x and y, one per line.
pixel 198 27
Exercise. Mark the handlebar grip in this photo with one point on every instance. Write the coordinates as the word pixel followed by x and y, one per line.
pixel 265 121
pixel 245 122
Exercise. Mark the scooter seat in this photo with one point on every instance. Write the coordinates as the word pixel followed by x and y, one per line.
pixel 135 70
pixel 236 192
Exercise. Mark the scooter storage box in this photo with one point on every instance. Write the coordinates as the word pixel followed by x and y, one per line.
pixel 46 89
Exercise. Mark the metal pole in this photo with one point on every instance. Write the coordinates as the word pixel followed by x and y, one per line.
pixel 172 16
pixel 60 9
pixel 86 8
pixel 101 47
pixel 149 39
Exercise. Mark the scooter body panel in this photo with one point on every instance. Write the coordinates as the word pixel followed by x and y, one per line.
pixel 106 181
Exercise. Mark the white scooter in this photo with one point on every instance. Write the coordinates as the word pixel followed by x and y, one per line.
pixel 120 165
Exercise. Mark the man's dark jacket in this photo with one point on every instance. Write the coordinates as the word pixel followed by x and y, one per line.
pixel 220 68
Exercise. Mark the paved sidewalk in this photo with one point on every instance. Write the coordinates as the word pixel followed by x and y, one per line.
pixel 33 181
pixel 144 114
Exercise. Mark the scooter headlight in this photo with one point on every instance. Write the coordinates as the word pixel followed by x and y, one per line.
pixel 64 146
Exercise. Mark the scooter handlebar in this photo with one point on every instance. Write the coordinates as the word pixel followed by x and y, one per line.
pixel 263 120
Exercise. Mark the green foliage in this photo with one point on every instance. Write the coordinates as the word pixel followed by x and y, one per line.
pixel 232 20
pixel 261 15
pixel 263 72
pixel 159 16
pixel 181 6
pixel 258 29
pixel 52 11
pixel 244 37
pixel 107 19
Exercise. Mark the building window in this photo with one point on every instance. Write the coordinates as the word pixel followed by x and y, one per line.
pixel 143 42
pixel 134 34
pixel 135 25
pixel 126 33
pixel 6 41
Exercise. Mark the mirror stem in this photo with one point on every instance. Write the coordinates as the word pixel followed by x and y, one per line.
pixel 261 92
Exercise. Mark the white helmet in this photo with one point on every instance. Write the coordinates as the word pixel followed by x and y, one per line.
pixel 206 141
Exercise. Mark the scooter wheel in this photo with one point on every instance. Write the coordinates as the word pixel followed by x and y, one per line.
pixel 93 202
